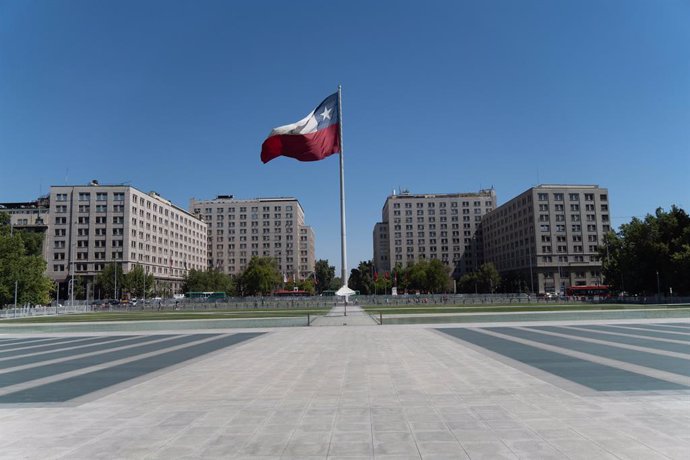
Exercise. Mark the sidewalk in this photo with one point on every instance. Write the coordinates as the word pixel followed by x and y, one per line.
pixel 384 392
pixel 341 315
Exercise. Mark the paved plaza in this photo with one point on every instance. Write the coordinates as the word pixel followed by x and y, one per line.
pixel 579 389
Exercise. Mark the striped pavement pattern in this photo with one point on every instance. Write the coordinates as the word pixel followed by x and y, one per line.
pixel 59 369
pixel 602 357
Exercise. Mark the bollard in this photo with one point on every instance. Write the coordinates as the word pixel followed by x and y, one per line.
pixel 380 318
pixel 308 321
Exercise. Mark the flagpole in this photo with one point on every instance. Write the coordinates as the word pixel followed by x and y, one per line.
pixel 343 244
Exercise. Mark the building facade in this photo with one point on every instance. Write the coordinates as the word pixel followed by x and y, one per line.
pixel 90 226
pixel 547 238
pixel 432 226
pixel 262 227
pixel 28 215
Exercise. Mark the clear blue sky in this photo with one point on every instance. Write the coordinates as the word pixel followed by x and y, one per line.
pixel 438 97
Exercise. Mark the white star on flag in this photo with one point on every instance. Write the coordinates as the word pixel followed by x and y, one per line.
pixel 326 113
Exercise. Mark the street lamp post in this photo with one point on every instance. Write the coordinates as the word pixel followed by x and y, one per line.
pixel 115 274
pixel 531 276
pixel 144 294
pixel 71 286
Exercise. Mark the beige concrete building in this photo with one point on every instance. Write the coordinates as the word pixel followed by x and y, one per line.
pixel 262 227
pixel 432 226
pixel 28 215
pixel 90 226
pixel 547 238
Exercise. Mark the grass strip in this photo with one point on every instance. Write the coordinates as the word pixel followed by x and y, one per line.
pixel 431 309
pixel 164 316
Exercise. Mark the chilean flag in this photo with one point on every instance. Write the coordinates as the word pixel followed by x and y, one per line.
pixel 313 138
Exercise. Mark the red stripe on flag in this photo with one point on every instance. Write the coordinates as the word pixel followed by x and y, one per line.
pixel 305 147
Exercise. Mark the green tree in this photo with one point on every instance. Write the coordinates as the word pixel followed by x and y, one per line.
pixel 484 280
pixel 21 262
pixel 382 284
pixel 437 277
pixel 468 283
pixel 398 277
pixel 108 277
pixel 208 281
pixel 306 285
pixel 415 275
pixel 659 243
pixel 362 278
pixel 138 283
pixel 261 277
pixel 336 283
pixel 515 281
pixel 426 276
pixel 33 243
pixel 325 274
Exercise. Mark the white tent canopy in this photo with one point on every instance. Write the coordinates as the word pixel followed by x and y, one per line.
pixel 344 292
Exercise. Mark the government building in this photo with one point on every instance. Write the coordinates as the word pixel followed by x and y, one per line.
pixel 92 225
pixel 547 238
pixel 239 229
pixel 446 227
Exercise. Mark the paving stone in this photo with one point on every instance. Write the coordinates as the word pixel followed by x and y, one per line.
pixel 390 392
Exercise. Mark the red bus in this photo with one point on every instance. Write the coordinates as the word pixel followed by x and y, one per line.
pixel 601 291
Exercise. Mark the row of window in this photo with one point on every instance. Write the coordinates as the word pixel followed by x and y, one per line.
pixel 102 197
pixel 432 226
pixel 196 228
pixel 444 258
pixel 59 232
pixel 563 248
pixel 443 204
pixel 409 220
pixel 85 208
pixel 60 244
pixel 432 234
pixel 571 197
pixel 573 217
pixel 116 255
pixel 231 210
pixel 220 217
pixel 84 267
pixel 574 238
pixel 231 247
pixel 442 212
pixel 255 224
pixel 591 258
pixel 573 207
pixel 575 228
pixel 85 220
pixel 86 196
pixel 422 242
